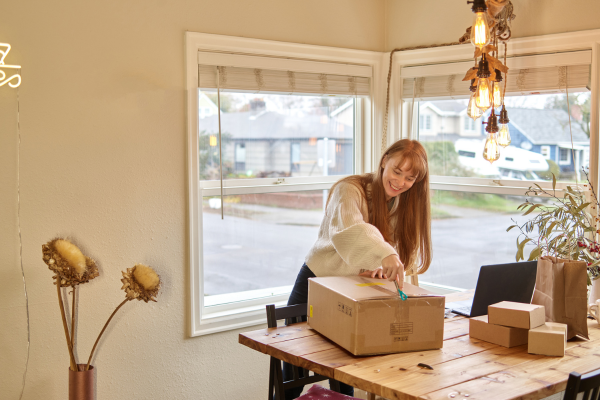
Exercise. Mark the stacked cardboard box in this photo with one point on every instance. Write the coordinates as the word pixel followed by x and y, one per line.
pixel 511 324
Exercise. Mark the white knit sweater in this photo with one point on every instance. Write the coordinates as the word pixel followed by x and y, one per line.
pixel 347 242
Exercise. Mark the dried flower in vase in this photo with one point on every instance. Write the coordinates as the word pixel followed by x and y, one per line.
pixel 140 282
pixel 68 263
pixel 71 268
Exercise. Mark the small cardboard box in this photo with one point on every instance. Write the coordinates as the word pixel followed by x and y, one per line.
pixel 517 315
pixel 506 336
pixel 366 316
pixel 549 339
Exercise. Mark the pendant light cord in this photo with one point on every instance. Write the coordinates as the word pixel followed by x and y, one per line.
pixel 21 240
pixel 220 141
pixel 570 129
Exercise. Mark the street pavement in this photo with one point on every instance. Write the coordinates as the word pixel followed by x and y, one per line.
pixel 260 247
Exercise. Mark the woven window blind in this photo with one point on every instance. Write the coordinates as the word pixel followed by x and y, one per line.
pixel 254 80
pixel 520 82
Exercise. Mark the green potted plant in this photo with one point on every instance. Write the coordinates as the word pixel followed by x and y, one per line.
pixel 565 227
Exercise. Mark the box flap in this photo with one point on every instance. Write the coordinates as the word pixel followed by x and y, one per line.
pixel 362 288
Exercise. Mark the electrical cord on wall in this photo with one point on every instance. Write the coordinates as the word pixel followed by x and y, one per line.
pixel 21 239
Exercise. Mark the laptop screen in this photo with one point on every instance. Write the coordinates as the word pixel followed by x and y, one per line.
pixel 503 282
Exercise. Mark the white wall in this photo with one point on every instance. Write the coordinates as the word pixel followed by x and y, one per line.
pixel 103 160
pixel 428 22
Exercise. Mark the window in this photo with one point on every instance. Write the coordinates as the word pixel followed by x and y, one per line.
pixel 469 124
pixel 473 201
pixel 425 122
pixel 564 156
pixel 290 122
pixel 240 157
pixel 545 151
pixel 295 157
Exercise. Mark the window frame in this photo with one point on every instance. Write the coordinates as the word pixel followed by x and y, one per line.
pixel 241 312
pixel 547 50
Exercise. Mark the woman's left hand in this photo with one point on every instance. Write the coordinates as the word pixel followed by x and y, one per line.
pixel 376 273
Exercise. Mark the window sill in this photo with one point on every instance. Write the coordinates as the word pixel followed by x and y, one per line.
pixel 238 310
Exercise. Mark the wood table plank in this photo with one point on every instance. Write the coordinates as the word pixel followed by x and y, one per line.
pixel 261 339
pixel 535 379
pixel 458 326
pixel 408 381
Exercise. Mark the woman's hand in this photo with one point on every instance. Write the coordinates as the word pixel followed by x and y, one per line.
pixel 376 273
pixel 393 269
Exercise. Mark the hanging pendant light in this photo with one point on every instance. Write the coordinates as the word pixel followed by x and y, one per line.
pixel 480 30
pixel 483 95
pixel 491 148
pixel 497 93
pixel 503 133
pixel 473 111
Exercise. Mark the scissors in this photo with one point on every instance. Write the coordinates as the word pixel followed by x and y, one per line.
pixel 402 295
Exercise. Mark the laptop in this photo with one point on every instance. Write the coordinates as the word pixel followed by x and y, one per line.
pixel 496 283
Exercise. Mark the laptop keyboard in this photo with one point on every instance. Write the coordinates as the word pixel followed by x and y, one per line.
pixel 462 310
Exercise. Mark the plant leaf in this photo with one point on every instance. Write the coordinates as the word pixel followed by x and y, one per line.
pixel 533 207
pixel 553 182
pixel 535 254
pixel 510 227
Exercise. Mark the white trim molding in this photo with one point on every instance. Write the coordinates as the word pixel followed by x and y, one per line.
pixel 247 308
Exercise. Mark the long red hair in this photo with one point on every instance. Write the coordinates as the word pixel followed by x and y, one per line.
pixel 408 228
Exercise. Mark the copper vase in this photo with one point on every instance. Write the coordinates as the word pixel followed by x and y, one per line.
pixel 82 384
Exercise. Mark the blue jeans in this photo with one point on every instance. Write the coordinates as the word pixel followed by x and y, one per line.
pixel 299 295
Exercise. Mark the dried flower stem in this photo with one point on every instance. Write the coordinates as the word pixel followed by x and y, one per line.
pixel 64 319
pixel 73 319
pixel 102 331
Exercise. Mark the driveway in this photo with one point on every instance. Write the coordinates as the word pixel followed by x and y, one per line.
pixel 259 247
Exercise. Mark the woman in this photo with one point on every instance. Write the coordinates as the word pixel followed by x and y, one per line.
pixel 376 225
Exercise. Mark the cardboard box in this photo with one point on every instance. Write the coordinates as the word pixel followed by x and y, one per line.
pixel 517 315
pixel 366 316
pixel 549 339
pixel 506 336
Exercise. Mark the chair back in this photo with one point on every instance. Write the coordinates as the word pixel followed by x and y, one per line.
pixel 300 376
pixel 587 383
pixel 293 314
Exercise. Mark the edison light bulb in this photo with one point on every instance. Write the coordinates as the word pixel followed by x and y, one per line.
pixel 472 110
pixel 480 31
pixel 497 96
pixel 483 94
pixel 491 150
pixel 503 135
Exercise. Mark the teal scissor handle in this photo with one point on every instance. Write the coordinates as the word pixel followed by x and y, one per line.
pixel 402 295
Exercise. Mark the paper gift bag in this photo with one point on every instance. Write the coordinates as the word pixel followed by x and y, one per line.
pixel 561 287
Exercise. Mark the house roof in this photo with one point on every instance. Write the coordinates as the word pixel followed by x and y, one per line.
pixel 274 125
pixel 445 107
pixel 546 126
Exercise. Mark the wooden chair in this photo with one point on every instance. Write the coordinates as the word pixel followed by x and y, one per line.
pixel 587 383
pixel 301 377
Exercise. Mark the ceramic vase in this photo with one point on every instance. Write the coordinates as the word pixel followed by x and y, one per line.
pixel 82 385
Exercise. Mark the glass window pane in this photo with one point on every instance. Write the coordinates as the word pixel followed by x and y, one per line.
pixel 261 243
pixel 281 135
pixel 540 138
pixel 468 231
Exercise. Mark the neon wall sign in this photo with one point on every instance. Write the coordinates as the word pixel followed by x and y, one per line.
pixel 13 80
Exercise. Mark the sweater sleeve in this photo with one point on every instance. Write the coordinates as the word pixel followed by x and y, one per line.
pixel 358 243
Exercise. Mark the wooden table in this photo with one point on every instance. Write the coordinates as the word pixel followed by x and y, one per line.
pixel 464 366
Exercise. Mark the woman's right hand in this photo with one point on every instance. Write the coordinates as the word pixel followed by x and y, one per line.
pixel 393 269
